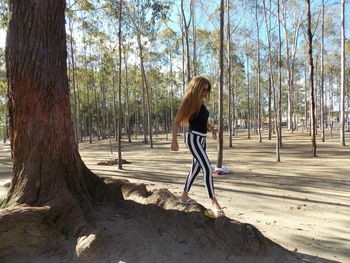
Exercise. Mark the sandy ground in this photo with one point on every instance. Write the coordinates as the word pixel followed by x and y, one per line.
pixel 302 203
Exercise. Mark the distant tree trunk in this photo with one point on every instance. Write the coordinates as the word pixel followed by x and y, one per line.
pixel 221 87
pixel 278 93
pixel 50 182
pixel 144 110
pixel 98 121
pixel 322 75
pixel 120 163
pixel 259 71
pixel 156 124
pixel 136 121
pixel 271 82
pixel 171 90
pixel 306 122
pixel 235 109
pixel 290 91
pixel 311 81
pixel 104 105
pixel 194 38
pixel 147 91
pixel 88 111
pixel 183 68
pixel 186 26
pixel 316 92
pixel 127 96
pixel 342 78
pixel 229 73
pixel 330 88
pixel 269 107
pixel 114 117
pixel 248 98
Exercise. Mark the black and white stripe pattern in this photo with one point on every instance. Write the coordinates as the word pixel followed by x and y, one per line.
pixel 197 145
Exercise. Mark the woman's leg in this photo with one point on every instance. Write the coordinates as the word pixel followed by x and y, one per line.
pixel 198 150
pixel 194 170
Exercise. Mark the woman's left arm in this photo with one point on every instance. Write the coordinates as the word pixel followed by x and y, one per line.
pixel 213 132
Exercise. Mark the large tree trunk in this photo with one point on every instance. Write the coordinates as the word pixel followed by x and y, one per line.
pixel 48 172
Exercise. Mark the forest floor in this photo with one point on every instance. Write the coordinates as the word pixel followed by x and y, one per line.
pixel 301 203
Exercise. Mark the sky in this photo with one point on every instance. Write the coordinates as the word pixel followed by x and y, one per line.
pixel 208 22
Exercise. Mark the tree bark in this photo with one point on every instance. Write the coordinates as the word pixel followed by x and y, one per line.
pixel 259 71
pixel 221 87
pixel 278 93
pixel 311 82
pixel 194 38
pixel 186 26
pixel 342 78
pixel 127 94
pixel 48 172
pixel 271 79
pixel 248 97
pixel 229 73
pixel 6 126
pixel 120 164
pixel 322 76
pixel 75 107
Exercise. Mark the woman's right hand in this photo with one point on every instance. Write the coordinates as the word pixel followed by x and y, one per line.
pixel 174 145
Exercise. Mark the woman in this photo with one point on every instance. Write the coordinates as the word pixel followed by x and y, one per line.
pixel 194 114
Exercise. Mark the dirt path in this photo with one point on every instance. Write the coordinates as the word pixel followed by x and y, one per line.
pixel 302 203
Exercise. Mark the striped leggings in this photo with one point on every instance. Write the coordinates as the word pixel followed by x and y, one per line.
pixel 197 145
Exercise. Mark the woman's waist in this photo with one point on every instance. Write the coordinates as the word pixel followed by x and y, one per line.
pixel 200 133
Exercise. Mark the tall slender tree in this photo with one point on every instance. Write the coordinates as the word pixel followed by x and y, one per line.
pixel 279 90
pixel 271 78
pixel 229 60
pixel 221 86
pixel 342 78
pixel 258 70
pixel 186 26
pixel 322 76
pixel 311 81
pixel 120 161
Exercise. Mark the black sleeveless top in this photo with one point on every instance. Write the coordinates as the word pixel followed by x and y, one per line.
pixel 200 122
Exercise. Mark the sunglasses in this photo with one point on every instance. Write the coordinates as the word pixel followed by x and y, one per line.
pixel 206 90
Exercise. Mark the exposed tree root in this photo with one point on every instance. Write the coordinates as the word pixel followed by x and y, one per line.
pixel 237 238
pixel 45 229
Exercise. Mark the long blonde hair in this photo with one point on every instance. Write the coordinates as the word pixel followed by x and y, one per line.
pixel 192 100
